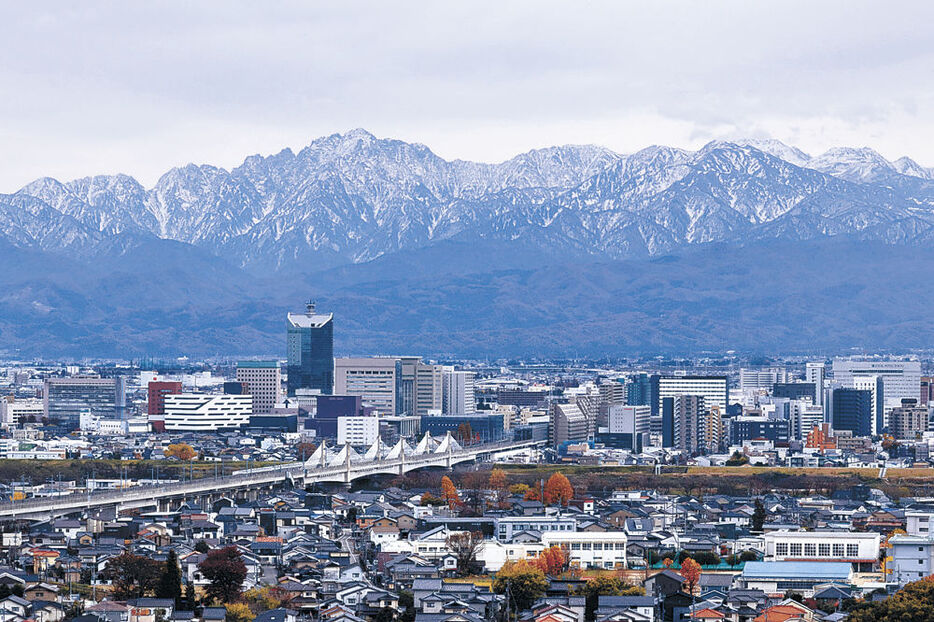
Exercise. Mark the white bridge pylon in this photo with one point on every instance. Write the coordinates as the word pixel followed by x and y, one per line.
pixel 324 457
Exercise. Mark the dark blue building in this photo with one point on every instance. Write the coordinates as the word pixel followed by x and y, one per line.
pixel 488 428
pixel 639 390
pixel 668 422
pixel 750 428
pixel 330 408
pixel 852 410
pixel 310 345
pixel 795 390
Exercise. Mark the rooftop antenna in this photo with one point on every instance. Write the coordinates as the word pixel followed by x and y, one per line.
pixel 310 307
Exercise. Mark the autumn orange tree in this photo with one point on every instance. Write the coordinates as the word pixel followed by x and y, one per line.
pixel 691 571
pixel 558 490
pixel 449 492
pixel 551 561
pixel 497 484
pixel 182 451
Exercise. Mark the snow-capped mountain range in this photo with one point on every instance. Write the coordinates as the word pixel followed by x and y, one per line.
pixel 350 198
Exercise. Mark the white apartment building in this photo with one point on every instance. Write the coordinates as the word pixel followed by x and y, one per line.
pixel 357 430
pixel 816 373
pixel 458 392
pixel 761 379
pixel 264 383
pixel 590 549
pixel 196 412
pixel 919 522
pixel 804 416
pixel 912 558
pixel 714 389
pixel 14 412
pixel 505 527
pixel 858 548
pixel 900 379
pixel 875 386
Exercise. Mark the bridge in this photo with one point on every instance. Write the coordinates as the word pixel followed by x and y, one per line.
pixel 328 466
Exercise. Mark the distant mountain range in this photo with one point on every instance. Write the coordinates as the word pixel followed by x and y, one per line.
pixel 207 260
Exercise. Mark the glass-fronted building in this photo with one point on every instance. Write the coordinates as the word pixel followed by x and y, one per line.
pixel 64 399
pixel 310 344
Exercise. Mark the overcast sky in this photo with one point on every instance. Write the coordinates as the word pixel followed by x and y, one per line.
pixel 138 87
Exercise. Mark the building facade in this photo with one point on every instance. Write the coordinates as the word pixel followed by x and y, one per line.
pixel 64 399
pixel 156 392
pixel 264 383
pixel 357 431
pixel 310 348
pixel 458 392
pixel 197 412
pixel 852 410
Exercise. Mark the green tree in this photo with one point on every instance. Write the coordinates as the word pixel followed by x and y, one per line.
pixel 170 583
pixel 914 602
pixel 737 459
pixel 386 614
pixel 758 516
pixel 525 583
pixel 202 547
pixel 225 570
pixel 407 605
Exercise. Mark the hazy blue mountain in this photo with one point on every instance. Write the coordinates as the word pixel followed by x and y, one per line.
pixel 559 250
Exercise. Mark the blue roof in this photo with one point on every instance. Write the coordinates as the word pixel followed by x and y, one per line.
pixel 818 571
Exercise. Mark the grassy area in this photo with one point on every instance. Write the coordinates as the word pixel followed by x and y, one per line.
pixel 38 471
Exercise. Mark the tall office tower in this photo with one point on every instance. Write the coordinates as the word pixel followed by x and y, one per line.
pixel 804 417
pixel 310 345
pixel 608 394
pixel 852 410
pixel 874 385
pixel 458 392
pixel 378 381
pixel 689 416
pixel 908 421
pixel 567 423
pixel 264 383
pixel 900 379
pixel 666 422
pixel 632 422
pixel 64 399
pixel 429 388
pixel 714 390
pixel 156 392
pixel 927 390
pixel 816 373
pixel 639 390
pixel 761 379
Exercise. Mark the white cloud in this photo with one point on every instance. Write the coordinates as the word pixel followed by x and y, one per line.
pixel 139 87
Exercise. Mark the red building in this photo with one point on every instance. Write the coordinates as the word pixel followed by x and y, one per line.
pixel 157 392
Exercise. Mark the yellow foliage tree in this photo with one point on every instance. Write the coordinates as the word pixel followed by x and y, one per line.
pixel 182 451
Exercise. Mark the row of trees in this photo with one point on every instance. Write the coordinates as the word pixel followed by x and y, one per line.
pixel 137 576
pixel 557 491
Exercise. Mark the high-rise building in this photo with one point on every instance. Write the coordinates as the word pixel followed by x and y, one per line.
pixel 816 374
pixel 795 390
pixel 157 390
pixel 310 346
pixel 568 423
pixel 639 390
pixel 851 409
pixel 908 421
pixel 392 385
pixel 690 413
pixel 628 426
pixel 458 394
pixel 900 379
pixel 64 399
pixel 761 379
pixel 804 417
pixel 927 390
pixel 714 390
pixel 874 385
pixel 377 381
pixel 264 382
